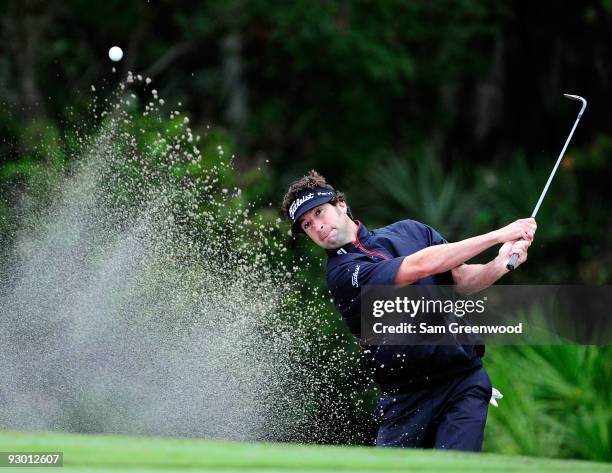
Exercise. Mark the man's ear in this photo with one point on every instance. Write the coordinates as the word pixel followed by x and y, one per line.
pixel 342 206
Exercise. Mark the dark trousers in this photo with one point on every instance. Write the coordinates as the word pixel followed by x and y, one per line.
pixel 449 415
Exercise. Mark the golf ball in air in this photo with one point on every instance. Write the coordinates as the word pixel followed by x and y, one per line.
pixel 115 53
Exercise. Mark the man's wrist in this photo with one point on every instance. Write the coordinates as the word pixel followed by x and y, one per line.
pixel 500 265
pixel 494 237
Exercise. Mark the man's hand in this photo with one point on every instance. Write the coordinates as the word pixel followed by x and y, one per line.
pixel 471 278
pixel 511 247
pixel 524 228
pixel 437 259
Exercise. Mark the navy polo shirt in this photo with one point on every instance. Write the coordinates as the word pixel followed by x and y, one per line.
pixel 374 259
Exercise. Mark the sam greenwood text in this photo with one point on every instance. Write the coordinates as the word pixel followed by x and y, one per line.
pixel 452 328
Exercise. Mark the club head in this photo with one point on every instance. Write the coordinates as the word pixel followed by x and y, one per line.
pixel 578 99
pixel 574 97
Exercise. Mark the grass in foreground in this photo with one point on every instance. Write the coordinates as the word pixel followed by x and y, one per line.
pixel 103 453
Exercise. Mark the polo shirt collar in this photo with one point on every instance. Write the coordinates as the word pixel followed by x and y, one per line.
pixel 362 235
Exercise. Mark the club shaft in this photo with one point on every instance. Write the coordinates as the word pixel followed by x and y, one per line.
pixel 552 174
pixel 514 258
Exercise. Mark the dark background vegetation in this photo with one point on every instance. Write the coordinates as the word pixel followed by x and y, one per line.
pixel 450 113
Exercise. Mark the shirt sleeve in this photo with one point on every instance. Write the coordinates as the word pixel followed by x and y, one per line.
pixel 428 236
pixel 421 232
pixel 346 280
pixel 433 236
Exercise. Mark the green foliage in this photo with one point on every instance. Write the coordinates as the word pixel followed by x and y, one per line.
pixel 556 401
pixel 421 189
pixel 595 157
pixel 517 187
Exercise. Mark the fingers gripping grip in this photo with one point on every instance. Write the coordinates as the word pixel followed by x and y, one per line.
pixel 512 262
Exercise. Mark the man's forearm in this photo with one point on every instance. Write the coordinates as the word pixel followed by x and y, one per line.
pixel 471 278
pixel 441 258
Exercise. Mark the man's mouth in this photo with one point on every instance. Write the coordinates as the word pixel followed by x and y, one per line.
pixel 325 235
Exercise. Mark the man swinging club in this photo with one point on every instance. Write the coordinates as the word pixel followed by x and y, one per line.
pixel 432 396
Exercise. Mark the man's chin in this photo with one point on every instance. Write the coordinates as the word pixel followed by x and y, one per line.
pixel 331 244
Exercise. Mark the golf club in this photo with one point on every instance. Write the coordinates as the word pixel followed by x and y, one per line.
pixel 512 262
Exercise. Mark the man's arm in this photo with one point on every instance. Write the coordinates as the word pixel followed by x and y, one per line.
pixel 441 258
pixel 470 278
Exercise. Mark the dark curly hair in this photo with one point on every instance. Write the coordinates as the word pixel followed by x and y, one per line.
pixel 311 180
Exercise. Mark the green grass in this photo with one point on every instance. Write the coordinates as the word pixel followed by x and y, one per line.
pixel 101 453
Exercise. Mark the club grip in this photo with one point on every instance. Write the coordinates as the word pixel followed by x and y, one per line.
pixel 512 262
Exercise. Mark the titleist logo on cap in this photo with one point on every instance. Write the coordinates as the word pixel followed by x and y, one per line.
pixel 297 202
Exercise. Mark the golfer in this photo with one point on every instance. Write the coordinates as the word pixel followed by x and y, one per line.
pixel 432 396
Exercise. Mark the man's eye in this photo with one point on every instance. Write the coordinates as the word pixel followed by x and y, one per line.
pixel 305 226
pixel 318 211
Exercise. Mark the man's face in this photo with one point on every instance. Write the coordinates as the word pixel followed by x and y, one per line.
pixel 327 225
